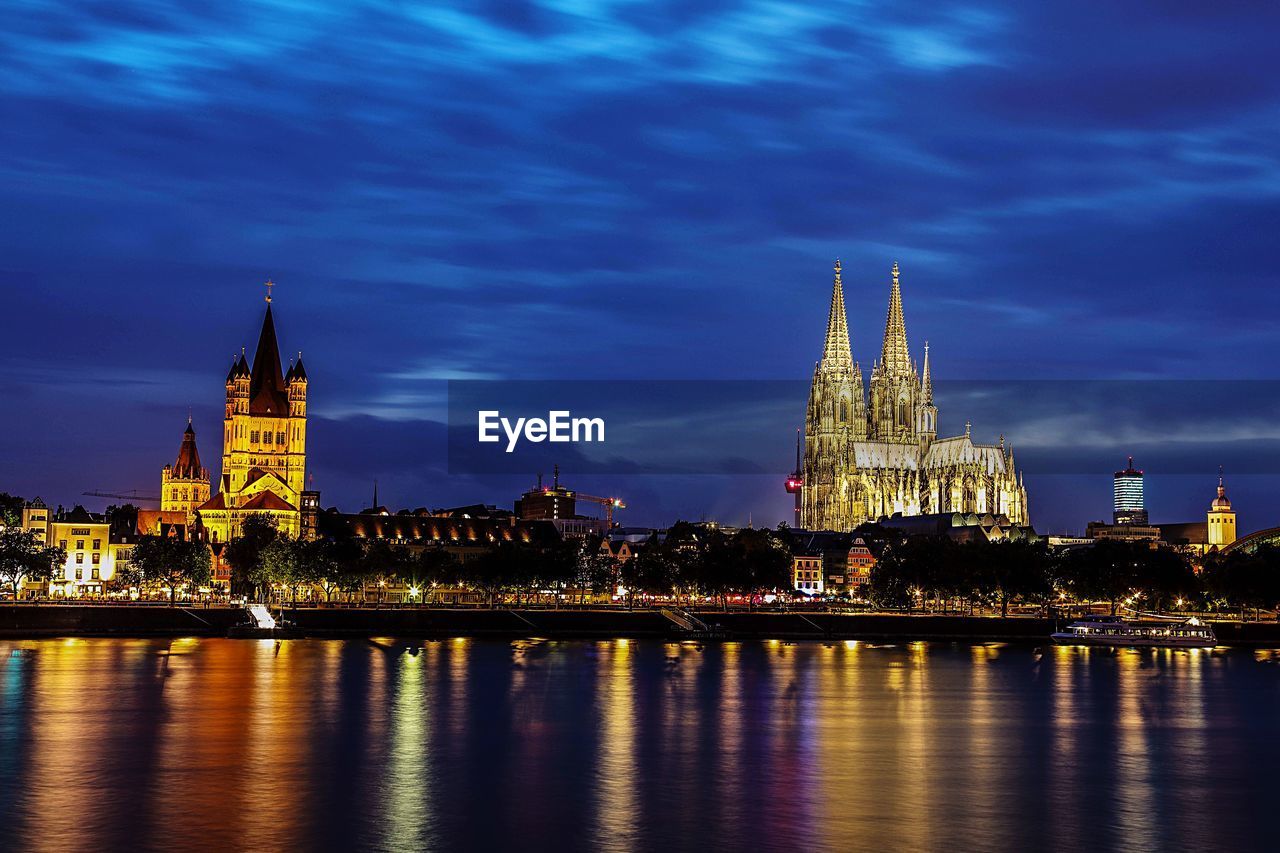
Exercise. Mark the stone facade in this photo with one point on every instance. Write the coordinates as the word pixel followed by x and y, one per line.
pixel 264 440
pixel 870 456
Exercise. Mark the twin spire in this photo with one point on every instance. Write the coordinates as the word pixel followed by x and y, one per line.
pixel 837 352
pixel 895 358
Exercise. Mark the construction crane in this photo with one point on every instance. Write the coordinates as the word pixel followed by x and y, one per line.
pixel 128 496
pixel 609 504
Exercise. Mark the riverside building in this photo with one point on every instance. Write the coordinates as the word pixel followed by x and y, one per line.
pixel 873 454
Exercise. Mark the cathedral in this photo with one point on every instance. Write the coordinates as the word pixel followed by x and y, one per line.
pixel 264 439
pixel 868 456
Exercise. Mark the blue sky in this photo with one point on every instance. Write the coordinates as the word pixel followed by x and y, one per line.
pixel 636 190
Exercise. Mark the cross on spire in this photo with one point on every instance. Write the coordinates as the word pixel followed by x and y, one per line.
pixel 270 284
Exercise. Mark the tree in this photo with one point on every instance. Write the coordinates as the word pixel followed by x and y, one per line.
pixel 597 568
pixel 23 557
pixel 11 510
pixel 1241 579
pixel 385 562
pixel 439 567
pixel 244 553
pixel 1005 570
pixel 170 563
pixel 766 562
pixel 290 563
pixel 1105 571
pixel 650 570
pixel 498 568
pixel 912 567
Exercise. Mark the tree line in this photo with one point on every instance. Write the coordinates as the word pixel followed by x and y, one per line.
pixel 940 573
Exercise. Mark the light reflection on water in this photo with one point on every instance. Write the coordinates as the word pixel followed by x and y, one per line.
pixel 624 745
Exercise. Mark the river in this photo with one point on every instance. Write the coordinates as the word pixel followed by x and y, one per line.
pixel 632 745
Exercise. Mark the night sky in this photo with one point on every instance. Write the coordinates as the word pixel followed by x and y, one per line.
pixel 638 190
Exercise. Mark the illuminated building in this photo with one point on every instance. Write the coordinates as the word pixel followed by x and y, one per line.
pixel 806 571
pixel 1221 519
pixel 93 555
pixel 558 505
pixel 1215 533
pixel 836 561
pixel 184 485
pixel 1129 503
pixel 871 457
pixel 264 439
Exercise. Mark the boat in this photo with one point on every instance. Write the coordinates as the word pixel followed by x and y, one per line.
pixel 1115 631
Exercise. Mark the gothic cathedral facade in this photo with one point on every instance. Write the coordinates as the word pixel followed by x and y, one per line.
pixel 873 455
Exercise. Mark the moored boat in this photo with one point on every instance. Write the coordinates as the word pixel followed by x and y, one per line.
pixel 1115 631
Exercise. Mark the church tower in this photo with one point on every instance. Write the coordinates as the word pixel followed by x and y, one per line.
pixel 895 385
pixel 264 439
pixel 1221 519
pixel 184 485
pixel 836 416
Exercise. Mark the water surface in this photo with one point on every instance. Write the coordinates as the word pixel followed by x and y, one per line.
pixel 617 745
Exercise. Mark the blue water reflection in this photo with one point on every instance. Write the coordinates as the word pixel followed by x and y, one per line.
pixel 627 745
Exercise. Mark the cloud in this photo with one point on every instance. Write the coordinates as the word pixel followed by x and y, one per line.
pixel 636 190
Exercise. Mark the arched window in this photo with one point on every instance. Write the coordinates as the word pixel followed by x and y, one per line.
pixel 844 411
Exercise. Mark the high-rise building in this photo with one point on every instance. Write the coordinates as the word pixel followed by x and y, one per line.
pixel 264 439
pixel 1129 505
pixel 864 462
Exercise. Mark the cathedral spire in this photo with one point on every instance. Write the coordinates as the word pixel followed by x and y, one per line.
pixel 895 360
pixel 835 351
pixel 926 380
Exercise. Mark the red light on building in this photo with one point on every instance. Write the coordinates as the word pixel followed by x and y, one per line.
pixel 794 484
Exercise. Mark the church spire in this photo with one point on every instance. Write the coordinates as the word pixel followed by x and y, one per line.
pixel 266 383
pixel 895 360
pixel 926 380
pixel 835 351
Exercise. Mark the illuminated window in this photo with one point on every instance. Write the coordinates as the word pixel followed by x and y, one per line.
pixel 79 573
pixel 97 558
pixel 97 573
pixel 79 558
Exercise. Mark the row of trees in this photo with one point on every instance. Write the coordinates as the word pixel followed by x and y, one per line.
pixel 936 569
pixel 690 561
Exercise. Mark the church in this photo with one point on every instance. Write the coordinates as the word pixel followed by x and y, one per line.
pixel 264 440
pixel 871 454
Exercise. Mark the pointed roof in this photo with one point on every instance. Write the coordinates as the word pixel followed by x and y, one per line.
pixel 239 367
pixel 188 465
pixel 215 502
pixel 266 383
pixel 1221 503
pixel 836 352
pixel 266 501
pixel 927 380
pixel 895 360
pixel 299 372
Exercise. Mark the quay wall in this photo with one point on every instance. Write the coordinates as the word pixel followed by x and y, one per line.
pixel 45 620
